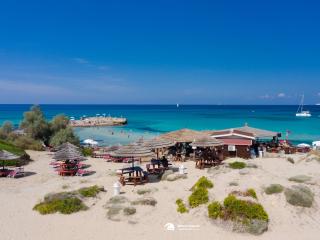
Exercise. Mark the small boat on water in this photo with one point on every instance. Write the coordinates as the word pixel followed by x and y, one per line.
pixel 300 111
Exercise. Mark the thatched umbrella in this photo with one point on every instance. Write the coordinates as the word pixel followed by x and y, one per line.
pixel 68 152
pixel 206 142
pixel 67 145
pixel 183 135
pixel 7 156
pixel 132 151
pixel 159 144
pixel 112 148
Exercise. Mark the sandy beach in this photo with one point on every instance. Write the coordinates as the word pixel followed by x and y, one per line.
pixel 18 196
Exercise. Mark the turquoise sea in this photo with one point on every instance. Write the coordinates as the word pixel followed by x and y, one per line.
pixel 151 120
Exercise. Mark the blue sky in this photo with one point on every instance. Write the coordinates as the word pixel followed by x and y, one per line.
pixel 195 52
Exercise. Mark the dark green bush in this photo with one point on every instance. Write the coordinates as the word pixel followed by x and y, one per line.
pixel 203 182
pixel 237 165
pixel 181 206
pixel 90 191
pixel 274 188
pixel 199 196
pixel 215 210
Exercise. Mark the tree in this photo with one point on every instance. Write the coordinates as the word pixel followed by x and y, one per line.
pixel 63 136
pixel 59 122
pixel 35 124
pixel 7 127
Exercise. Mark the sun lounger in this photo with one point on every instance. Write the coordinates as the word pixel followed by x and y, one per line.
pixel 17 172
pixel 82 172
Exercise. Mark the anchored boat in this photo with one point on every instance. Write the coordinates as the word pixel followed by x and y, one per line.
pixel 300 111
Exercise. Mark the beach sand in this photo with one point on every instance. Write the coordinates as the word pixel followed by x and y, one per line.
pixel 19 221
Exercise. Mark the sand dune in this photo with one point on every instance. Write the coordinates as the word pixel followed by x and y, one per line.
pixel 19 221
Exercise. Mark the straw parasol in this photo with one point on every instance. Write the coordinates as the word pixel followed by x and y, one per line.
pixel 183 135
pixel 132 151
pixel 159 144
pixel 68 152
pixel 206 142
pixel 67 145
pixel 7 156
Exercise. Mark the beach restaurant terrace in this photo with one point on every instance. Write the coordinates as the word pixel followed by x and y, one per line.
pixel 242 141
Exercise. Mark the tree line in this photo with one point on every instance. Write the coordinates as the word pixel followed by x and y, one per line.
pixel 38 132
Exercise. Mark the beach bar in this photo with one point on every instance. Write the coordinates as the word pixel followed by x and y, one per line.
pixel 243 141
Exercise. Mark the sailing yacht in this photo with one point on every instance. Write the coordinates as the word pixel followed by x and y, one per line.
pixel 300 112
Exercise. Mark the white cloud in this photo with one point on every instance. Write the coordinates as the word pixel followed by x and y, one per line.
pixel 281 95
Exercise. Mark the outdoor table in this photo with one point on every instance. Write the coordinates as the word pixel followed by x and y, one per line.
pixel 133 175
pixel 154 167
pixel 67 172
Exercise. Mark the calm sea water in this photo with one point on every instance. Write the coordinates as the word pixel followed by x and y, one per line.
pixel 151 120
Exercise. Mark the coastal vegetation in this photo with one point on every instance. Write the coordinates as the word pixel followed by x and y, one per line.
pixel 200 194
pixel 67 202
pixel 250 215
pixel 37 132
pixel 203 182
pixel 274 188
pixel 181 206
pixel 237 165
pixel 299 196
pixel 90 191
pixel 64 202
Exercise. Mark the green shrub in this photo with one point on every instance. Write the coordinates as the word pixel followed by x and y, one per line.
pixel 199 196
pixel 289 159
pixel 215 210
pixel 87 151
pixel 65 206
pixel 26 142
pixel 90 191
pixel 145 201
pixel 181 206
pixel 252 193
pixel 129 211
pixel 237 165
pixel 203 182
pixel 300 178
pixel 243 211
pixel 273 188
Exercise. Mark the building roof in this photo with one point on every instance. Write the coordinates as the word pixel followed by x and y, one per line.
pixel 246 131
pixel 236 141
pixel 183 135
pixel 232 133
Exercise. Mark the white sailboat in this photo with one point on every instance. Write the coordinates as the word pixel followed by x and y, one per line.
pixel 300 112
